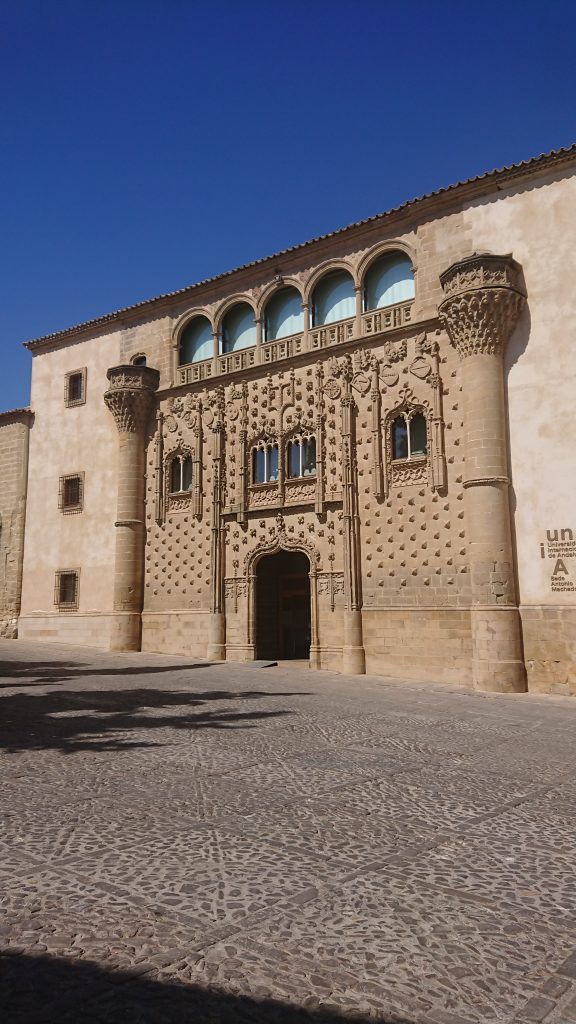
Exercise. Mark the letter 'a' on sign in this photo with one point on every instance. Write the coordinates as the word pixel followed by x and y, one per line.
pixel 560 567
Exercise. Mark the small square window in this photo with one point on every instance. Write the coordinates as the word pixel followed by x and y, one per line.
pixel 66 589
pixel 75 387
pixel 71 493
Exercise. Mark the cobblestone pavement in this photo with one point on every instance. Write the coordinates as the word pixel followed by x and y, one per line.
pixel 192 842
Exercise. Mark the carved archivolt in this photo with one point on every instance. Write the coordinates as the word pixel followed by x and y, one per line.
pixel 280 540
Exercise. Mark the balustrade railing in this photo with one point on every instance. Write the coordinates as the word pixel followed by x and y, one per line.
pixel 283 348
pixel 377 321
pixel 239 360
pixel 332 334
pixel 193 372
pixel 386 319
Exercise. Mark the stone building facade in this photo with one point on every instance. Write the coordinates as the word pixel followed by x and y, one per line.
pixel 14 434
pixel 359 451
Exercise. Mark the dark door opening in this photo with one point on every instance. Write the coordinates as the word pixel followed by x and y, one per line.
pixel 283 606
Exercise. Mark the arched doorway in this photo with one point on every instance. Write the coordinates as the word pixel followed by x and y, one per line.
pixel 283 621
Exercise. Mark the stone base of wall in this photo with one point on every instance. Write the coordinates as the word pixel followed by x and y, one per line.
pixel 550 648
pixel 8 628
pixel 77 629
pixel 182 632
pixel 421 644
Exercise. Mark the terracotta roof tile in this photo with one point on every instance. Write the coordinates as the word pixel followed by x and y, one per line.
pixel 513 170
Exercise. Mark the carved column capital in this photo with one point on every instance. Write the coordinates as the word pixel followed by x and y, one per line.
pixel 130 396
pixel 483 300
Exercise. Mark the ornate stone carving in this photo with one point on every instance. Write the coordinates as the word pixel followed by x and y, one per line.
pixel 420 367
pixel 330 584
pixel 300 491
pixel 130 396
pixel 409 471
pixel 483 300
pixel 280 540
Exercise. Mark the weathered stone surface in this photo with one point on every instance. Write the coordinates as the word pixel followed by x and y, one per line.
pixel 211 843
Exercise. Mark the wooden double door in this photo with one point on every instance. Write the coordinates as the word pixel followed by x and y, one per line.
pixel 283 622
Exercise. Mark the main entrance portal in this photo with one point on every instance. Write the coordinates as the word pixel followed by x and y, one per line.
pixel 283 606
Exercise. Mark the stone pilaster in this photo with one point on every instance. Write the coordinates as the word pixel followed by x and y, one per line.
pixel 130 398
pixel 353 653
pixel 217 628
pixel 483 299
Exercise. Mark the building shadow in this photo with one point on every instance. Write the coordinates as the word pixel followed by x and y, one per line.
pixel 54 990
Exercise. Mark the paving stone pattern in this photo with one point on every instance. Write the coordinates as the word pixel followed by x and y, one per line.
pixel 192 842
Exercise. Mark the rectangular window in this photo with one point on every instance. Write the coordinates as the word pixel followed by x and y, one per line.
pixel 75 387
pixel 66 589
pixel 71 493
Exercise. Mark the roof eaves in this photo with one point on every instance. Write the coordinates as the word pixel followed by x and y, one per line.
pixel 513 170
pixel 7 413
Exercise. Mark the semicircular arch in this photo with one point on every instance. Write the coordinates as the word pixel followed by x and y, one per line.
pixel 227 304
pixel 186 318
pixel 276 286
pixel 388 248
pixel 326 268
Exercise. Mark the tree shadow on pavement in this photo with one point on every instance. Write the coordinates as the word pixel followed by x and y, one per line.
pixel 54 990
pixel 98 720
pixel 56 671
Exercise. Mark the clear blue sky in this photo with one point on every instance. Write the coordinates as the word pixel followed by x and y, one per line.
pixel 147 144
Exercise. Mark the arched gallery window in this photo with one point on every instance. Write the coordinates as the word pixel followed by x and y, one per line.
pixel 409 436
pixel 264 463
pixel 301 454
pixel 390 279
pixel 195 341
pixel 283 315
pixel 180 470
pixel 333 298
pixel 139 360
pixel 238 328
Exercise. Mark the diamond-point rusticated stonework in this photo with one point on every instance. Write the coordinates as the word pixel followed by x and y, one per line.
pixel 483 300
pixel 130 396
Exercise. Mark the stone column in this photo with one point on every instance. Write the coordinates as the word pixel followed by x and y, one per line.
pixel 358 311
pixel 305 325
pixel 258 355
pixel 483 299
pixel 130 399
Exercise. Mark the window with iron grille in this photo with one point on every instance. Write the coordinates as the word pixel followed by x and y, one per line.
pixel 71 493
pixel 75 387
pixel 66 589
